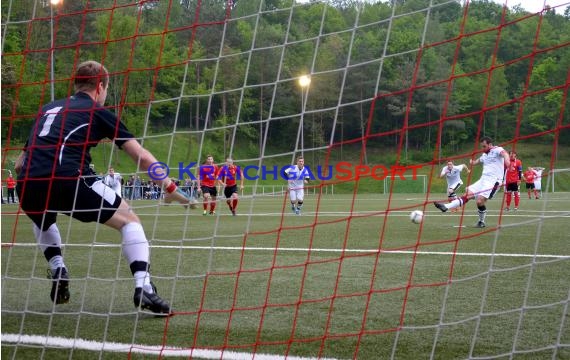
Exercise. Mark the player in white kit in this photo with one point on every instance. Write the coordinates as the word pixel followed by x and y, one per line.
pixel 297 176
pixel 538 180
pixel 494 160
pixel 113 180
pixel 453 176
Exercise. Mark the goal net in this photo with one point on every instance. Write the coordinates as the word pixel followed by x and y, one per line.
pixel 370 94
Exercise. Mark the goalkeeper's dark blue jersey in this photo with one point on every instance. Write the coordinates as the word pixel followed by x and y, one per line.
pixel 64 133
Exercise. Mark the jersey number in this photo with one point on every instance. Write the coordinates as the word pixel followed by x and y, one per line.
pixel 50 116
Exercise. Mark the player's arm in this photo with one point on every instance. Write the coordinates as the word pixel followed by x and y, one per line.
pixel 506 158
pixel 466 168
pixel 286 173
pixel 145 159
pixel 198 177
pixel 443 172
pixel 474 162
pixel 218 175
pixel 221 179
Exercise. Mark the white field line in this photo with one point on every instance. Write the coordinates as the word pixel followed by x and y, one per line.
pixel 305 250
pixel 553 214
pixel 81 344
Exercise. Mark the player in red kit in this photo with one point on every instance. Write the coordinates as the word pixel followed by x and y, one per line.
pixel 529 177
pixel 513 179
pixel 228 176
pixel 207 184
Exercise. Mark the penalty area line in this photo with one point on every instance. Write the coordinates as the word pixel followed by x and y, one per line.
pixel 163 351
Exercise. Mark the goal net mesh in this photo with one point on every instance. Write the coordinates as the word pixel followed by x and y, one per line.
pixel 407 84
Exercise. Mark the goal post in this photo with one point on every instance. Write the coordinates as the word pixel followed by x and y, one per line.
pixel 558 180
pixel 337 270
pixel 411 184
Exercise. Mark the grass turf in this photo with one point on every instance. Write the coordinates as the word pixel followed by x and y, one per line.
pixel 272 282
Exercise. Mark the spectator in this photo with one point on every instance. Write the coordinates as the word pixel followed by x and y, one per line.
pixel 11 186
pixel 137 188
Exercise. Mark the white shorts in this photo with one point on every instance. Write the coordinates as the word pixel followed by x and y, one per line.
pixel 296 194
pixel 538 185
pixel 483 187
pixel 454 186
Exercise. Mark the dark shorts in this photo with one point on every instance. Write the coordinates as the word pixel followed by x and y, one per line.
pixel 85 199
pixel 210 190
pixel 530 186
pixel 513 187
pixel 229 190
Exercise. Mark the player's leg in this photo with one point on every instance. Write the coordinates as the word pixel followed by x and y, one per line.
pixel 49 240
pixel 450 193
pixel 111 210
pixel 300 199
pixel 293 197
pixel 460 201
pixel 481 210
pixel 34 202
pixel 136 250
pixel 512 189
pixel 517 194
pixel 487 188
pixel 453 194
pixel 206 199
pixel 535 191
pixel 229 200
pixel 235 200
pixel 528 189
pixel 213 201
pixel 508 196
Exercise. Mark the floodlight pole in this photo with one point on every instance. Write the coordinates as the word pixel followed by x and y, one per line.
pixel 52 50
pixel 51 73
pixel 304 82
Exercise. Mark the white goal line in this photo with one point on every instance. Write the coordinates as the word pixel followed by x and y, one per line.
pixel 163 351
pixel 305 250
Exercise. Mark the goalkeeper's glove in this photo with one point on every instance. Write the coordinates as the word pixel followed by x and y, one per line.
pixel 174 193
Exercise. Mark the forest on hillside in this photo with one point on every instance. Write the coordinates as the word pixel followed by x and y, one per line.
pixel 195 65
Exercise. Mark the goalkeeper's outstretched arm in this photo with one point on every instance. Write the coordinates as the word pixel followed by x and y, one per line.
pixel 145 159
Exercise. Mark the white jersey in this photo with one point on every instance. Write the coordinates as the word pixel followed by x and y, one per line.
pixel 296 177
pixel 493 164
pixel 453 176
pixel 537 179
pixel 114 182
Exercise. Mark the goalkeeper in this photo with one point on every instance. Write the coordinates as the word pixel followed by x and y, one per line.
pixel 54 176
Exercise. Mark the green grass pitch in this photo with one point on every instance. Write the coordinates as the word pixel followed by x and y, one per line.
pixel 277 284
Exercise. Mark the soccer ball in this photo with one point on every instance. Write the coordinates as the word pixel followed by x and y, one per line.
pixel 417 216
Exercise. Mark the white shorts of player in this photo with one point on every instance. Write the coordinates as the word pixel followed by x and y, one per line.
pixel 483 186
pixel 454 186
pixel 296 194
pixel 538 185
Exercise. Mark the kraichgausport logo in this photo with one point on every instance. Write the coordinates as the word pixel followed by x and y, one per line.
pixel 343 171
